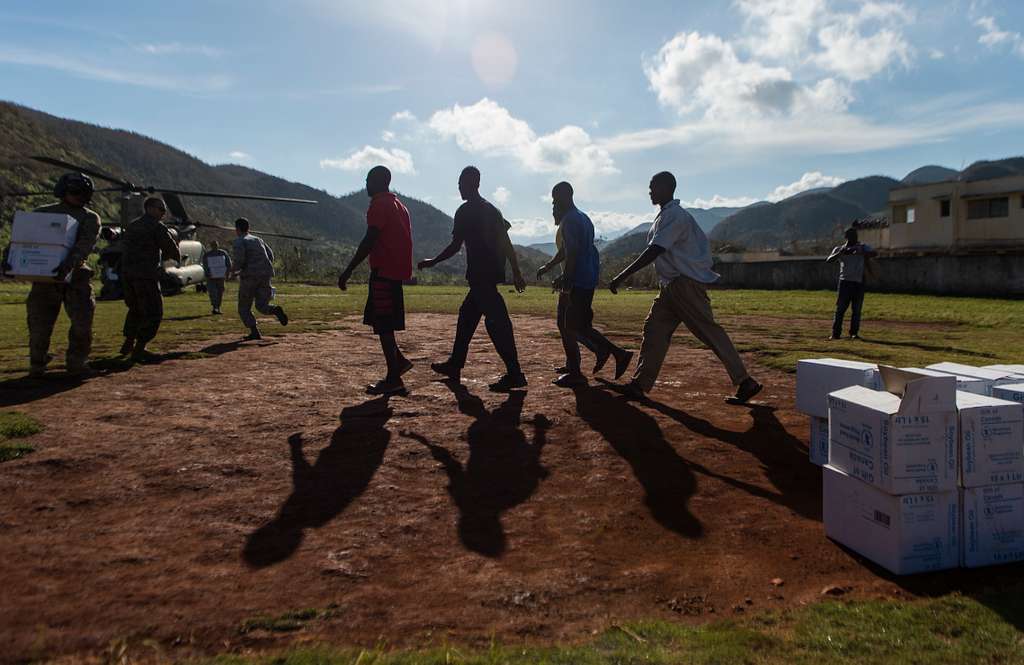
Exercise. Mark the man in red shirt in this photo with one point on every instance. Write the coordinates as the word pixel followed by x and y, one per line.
pixel 388 243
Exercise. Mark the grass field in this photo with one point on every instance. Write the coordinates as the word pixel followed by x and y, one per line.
pixel 779 326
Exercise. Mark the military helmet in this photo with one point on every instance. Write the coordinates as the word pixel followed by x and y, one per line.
pixel 74 182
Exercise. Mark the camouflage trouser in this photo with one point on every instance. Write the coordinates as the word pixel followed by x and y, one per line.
pixel 215 289
pixel 145 309
pixel 256 289
pixel 43 305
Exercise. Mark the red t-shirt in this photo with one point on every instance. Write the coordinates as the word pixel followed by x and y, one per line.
pixel 391 255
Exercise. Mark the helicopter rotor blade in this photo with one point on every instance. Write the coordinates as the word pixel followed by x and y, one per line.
pixel 81 169
pixel 22 194
pixel 175 205
pixel 222 195
pixel 262 233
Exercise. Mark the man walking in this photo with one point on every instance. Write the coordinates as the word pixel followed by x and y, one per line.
pixel 681 256
pixel 853 257
pixel 216 265
pixel 254 263
pixel 145 244
pixel 388 243
pixel 484 231
pixel 72 287
pixel 576 291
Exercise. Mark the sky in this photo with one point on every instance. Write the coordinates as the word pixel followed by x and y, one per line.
pixel 743 101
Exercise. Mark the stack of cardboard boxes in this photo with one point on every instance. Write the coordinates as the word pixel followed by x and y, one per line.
pixel 922 469
pixel 39 243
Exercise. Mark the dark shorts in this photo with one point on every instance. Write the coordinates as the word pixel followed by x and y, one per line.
pixel 385 305
pixel 579 313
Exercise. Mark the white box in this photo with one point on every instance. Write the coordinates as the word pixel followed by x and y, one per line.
pixel 902 440
pixel 218 267
pixel 991 440
pixel 906 534
pixel 35 263
pixel 44 228
pixel 816 378
pixel 1013 392
pixel 968 384
pixel 993 376
pixel 818 444
pixel 1012 369
pixel 993 521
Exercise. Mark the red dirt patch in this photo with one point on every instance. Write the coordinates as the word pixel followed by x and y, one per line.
pixel 177 501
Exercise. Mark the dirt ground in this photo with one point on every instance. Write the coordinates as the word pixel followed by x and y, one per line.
pixel 180 501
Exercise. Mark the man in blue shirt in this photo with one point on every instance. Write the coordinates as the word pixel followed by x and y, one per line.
pixel 576 284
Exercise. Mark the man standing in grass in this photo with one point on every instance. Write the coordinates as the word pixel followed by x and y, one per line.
pixel 853 257
pixel 388 243
pixel 484 231
pixel 576 291
pixel 216 265
pixel 681 256
pixel 254 263
pixel 145 244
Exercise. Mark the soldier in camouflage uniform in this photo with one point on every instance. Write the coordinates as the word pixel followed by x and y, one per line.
pixel 45 299
pixel 146 243
pixel 254 262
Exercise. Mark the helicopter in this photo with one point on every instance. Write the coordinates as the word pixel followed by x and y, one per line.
pixel 175 275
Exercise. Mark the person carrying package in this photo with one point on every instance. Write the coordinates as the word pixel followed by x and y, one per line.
pixel 254 264
pixel 853 258
pixel 681 256
pixel 217 266
pixel 71 286
pixel 145 244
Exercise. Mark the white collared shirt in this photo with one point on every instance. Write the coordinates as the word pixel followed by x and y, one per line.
pixel 687 250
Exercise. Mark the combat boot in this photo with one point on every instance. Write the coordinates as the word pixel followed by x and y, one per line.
pixel 127 347
pixel 254 334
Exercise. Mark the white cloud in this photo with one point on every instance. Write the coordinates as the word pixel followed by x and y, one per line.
pixel 811 180
pixel 994 36
pixel 847 50
pixel 403 116
pixel 501 194
pixel 399 161
pixel 387 136
pixel 239 155
pixel 606 224
pixel 782 29
pixel 486 128
pixel 936 54
pixel 719 201
pixel 177 48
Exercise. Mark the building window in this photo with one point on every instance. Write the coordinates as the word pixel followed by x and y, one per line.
pixel 944 208
pixel 911 214
pixel 899 214
pixel 987 208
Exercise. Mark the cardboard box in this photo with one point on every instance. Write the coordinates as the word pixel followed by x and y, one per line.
pixel 218 266
pixel 818 444
pixel 1012 369
pixel 902 440
pixel 968 384
pixel 906 534
pixel 991 440
pixel 1012 392
pixel 993 521
pixel 816 378
pixel 44 228
pixel 994 377
pixel 35 263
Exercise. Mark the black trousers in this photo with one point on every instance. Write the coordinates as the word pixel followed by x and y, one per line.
pixel 576 325
pixel 484 301
pixel 850 293
pixel 145 309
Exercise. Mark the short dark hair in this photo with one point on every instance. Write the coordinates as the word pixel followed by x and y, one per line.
pixel 562 190
pixel 381 175
pixel 666 179
pixel 242 224
pixel 471 175
pixel 152 201
pixel 851 234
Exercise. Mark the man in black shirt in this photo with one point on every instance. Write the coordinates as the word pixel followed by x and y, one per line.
pixel 484 231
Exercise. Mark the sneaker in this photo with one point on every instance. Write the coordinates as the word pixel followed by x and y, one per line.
pixel 215 311
pixel 447 369
pixel 832 338
pixel 386 387
pixel 508 382
pixel 80 371
pixel 854 336
pixel 622 362
pixel 601 361
pixel 633 391
pixel 562 369
pixel 253 335
pixel 570 380
pixel 281 316
pixel 127 347
pixel 746 390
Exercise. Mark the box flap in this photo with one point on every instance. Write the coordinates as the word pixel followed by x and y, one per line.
pixel 919 393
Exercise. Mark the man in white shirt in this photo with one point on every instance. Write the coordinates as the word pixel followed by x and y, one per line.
pixel 853 258
pixel 681 256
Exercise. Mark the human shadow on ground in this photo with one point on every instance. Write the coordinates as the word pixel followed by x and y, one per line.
pixel 322 491
pixel 503 470
pixel 191 317
pixel 783 457
pixel 668 479
pixel 227 347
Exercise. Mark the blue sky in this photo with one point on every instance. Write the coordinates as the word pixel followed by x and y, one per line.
pixel 742 100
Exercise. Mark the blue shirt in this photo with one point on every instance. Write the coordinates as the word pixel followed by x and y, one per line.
pixel 578 234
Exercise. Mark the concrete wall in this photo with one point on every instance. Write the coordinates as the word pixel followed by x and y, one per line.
pixel 970 275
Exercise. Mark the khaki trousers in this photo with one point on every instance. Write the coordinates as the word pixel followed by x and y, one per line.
pixel 683 301
pixel 43 305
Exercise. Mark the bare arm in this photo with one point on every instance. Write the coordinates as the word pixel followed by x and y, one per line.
pixel 448 252
pixel 645 259
pixel 510 252
pixel 365 246
pixel 836 251
pixel 555 260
